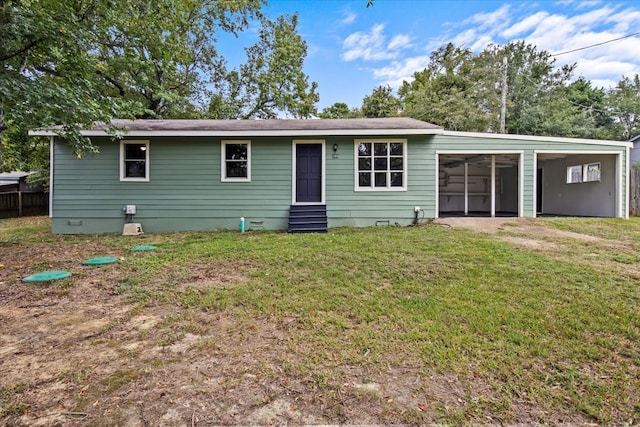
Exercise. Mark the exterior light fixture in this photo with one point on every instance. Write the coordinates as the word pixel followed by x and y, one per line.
pixel 335 148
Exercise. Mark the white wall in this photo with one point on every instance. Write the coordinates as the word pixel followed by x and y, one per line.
pixel 581 199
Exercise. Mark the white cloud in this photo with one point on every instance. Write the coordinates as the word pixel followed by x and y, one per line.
pixel 491 20
pixel 585 24
pixel 349 18
pixel 372 46
pixel 400 41
pixel 398 71
pixel 575 25
pixel 525 25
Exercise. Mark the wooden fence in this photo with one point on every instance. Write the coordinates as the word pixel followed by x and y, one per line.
pixel 634 192
pixel 17 204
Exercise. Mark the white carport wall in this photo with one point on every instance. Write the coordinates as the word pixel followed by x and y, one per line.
pixel 493 154
pixel 621 183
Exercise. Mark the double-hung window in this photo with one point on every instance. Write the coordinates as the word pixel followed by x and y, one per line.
pixel 134 161
pixel 381 165
pixel 236 161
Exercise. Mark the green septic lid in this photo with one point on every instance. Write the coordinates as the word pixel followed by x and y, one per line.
pixel 47 276
pixel 143 248
pixel 101 260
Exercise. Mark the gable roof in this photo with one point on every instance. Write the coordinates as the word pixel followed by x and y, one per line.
pixel 275 127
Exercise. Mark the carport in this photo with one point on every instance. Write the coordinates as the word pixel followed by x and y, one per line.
pixel 579 183
pixel 479 183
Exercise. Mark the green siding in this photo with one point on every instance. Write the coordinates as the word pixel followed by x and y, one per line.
pixel 185 191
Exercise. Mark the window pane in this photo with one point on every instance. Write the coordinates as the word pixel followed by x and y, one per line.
pixel 236 152
pixel 381 179
pixel 574 174
pixel 364 164
pixel 396 163
pixel 395 149
pixel 236 169
pixel 364 179
pixel 134 169
pixel 380 164
pixel 135 151
pixel 364 149
pixel 396 179
pixel 592 172
pixel 380 149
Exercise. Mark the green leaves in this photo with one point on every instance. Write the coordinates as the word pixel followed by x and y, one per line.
pixel 271 82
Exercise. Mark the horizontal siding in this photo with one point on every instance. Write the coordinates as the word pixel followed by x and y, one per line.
pixel 185 191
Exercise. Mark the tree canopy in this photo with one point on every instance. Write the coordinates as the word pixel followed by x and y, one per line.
pixel 74 62
pixel 461 91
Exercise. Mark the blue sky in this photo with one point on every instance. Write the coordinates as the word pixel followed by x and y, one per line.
pixel 352 49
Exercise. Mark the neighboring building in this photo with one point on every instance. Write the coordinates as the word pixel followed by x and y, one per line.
pixel 20 198
pixel 207 174
pixel 634 158
pixel 17 181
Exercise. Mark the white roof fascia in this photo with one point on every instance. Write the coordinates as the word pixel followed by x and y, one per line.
pixel 252 133
pixel 537 138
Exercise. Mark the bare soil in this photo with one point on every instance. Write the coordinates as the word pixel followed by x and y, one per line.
pixel 79 354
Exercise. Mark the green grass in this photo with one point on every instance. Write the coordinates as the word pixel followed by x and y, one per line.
pixel 552 329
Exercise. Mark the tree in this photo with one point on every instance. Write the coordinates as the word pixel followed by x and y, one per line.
pixel 48 71
pixel 452 92
pixel 72 62
pixel 339 110
pixel 623 102
pixel 532 82
pixel 381 103
pixel 272 80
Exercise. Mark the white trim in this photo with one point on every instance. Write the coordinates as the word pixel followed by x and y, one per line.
pixel 462 151
pixel 294 171
pixel 405 166
pixel 466 188
pixel 578 152
pixel 521 187
pixel 223 160
pixel 251 133
pixel 625 213
pixel 52 142
pixel 437 187
pixel 535 186
pixel 535 138
pixel 493 186
pixel 124 142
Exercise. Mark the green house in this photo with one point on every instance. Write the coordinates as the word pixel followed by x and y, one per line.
pixel 310 175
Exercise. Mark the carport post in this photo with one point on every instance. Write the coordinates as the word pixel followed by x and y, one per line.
pixel 493 185
pixel 466 188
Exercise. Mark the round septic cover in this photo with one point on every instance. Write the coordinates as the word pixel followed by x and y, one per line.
pixel 101 260
pixel 46 276
pixel 143 248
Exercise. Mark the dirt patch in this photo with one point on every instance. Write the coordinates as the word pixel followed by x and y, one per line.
pixel 76 352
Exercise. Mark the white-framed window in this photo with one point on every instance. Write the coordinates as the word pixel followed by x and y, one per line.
pixel 134 161
pixel 591 172
pixel 380 164
pixel 236 161
pixel 574 174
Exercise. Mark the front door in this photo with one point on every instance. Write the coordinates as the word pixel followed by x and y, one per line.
pixel 308 173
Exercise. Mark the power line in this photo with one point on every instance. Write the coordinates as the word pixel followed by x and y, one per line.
pixel 597 44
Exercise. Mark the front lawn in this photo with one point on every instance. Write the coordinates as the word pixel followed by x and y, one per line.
pixel 376 325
